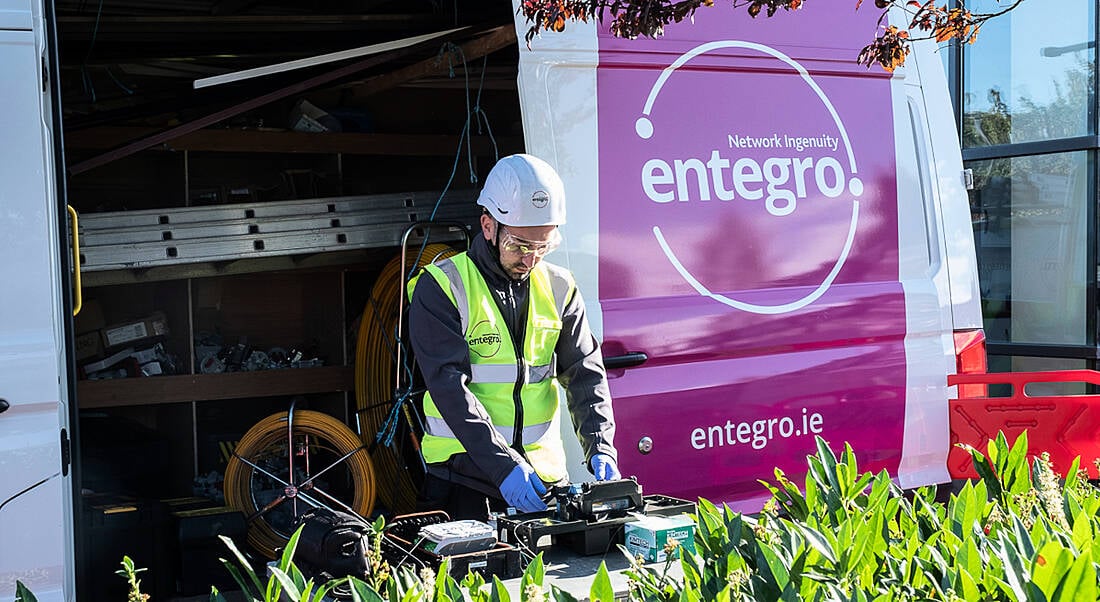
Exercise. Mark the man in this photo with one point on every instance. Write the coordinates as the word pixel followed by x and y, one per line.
pixel 494 331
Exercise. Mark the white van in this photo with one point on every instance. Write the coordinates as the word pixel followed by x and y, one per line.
pixel 775 243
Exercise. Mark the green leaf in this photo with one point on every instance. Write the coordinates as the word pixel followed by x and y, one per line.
pixel 22 594
pixel 690 594
pixel 775 566
pixel 1071 474
pixel 535 573
pixel 984 467
pixel 441 594
pixel 559 595
pixel 307 592
pixel 1079 583
pixel 817 541
pixel 286 561
pixel 693 572
pixel 361 591
pixel 967 587
pixel 499 593
pixel 969 559
pixel 1050 566
pixel 475 587
pixel 1024 544
pixel 601 586
pixel 454 592
pixel 288 585
pixel 253 587
pixel 288 552
pixel 1082 533
pixel 1013 569
pixel 1019 474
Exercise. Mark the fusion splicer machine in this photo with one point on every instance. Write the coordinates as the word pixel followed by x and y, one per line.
pixel 587 517
pixel 596 501
pixel 426 539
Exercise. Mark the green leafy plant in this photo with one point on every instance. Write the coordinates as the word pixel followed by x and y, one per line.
pixel 22 594
pixel 129 572
pixel 284 579
pixel 393 584
pixel 1018 534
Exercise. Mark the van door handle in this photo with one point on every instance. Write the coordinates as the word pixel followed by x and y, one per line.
pixel 626 360
pixel 4 405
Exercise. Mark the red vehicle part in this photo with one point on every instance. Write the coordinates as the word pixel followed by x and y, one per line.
pixel 1065 426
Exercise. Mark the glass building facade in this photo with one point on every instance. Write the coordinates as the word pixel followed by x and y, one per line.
pixel 1025 100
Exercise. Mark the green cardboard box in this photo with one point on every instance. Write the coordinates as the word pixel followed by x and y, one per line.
pixel 648 536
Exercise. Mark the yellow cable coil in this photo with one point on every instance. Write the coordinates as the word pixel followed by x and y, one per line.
pixel 375 372
pixel 271 433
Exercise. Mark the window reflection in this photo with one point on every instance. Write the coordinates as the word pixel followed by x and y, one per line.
pixel 1031 75
pixel 1018 363
pixel 1031 234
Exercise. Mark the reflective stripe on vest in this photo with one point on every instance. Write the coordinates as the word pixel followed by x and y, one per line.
pixel 506 373
pixel 495 364
pixel 437 427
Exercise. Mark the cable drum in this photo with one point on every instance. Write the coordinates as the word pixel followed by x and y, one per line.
pixel 374 383
pixel 330 466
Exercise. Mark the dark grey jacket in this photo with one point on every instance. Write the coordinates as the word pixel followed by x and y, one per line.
pixel 443 357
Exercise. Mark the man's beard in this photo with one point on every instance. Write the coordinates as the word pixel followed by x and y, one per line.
pixel 516 271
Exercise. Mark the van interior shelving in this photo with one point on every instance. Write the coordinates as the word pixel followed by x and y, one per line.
pixel 141 140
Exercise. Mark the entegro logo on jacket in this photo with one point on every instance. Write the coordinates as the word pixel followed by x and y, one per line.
pixel 484 339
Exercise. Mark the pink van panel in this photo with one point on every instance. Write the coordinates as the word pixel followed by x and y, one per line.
pixel 749 246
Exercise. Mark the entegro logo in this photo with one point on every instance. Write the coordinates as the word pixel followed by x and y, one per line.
pixel 540 198
pixel 791 174
pixel 484 339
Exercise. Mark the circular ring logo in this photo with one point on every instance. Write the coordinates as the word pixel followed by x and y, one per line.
pixel 828 174
pixel 484 339
pixel 540 199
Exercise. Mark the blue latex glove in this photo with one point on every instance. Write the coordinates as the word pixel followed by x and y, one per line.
pixel 603 466
pixel 522 488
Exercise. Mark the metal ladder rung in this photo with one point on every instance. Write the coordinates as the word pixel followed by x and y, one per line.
pixel 223 249
pixel 319 206
pixel 169 234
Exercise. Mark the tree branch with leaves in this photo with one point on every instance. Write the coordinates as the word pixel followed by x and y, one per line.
pixel 648 18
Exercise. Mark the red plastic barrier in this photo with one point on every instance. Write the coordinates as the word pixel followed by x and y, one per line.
pixel 1065 426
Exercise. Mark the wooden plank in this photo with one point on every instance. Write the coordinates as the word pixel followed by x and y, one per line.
pixel 204 387
pixel 267 141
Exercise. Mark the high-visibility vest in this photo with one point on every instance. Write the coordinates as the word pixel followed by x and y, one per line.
pixel 496 369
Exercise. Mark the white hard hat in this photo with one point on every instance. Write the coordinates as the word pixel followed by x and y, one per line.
pixel 523 190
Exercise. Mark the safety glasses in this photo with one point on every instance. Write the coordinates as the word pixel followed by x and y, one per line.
pixel 514 244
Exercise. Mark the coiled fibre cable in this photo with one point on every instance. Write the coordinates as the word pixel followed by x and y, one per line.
pixel 265 445
pixel 374 381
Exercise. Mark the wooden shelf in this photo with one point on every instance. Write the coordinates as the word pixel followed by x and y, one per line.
pixel 203 387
